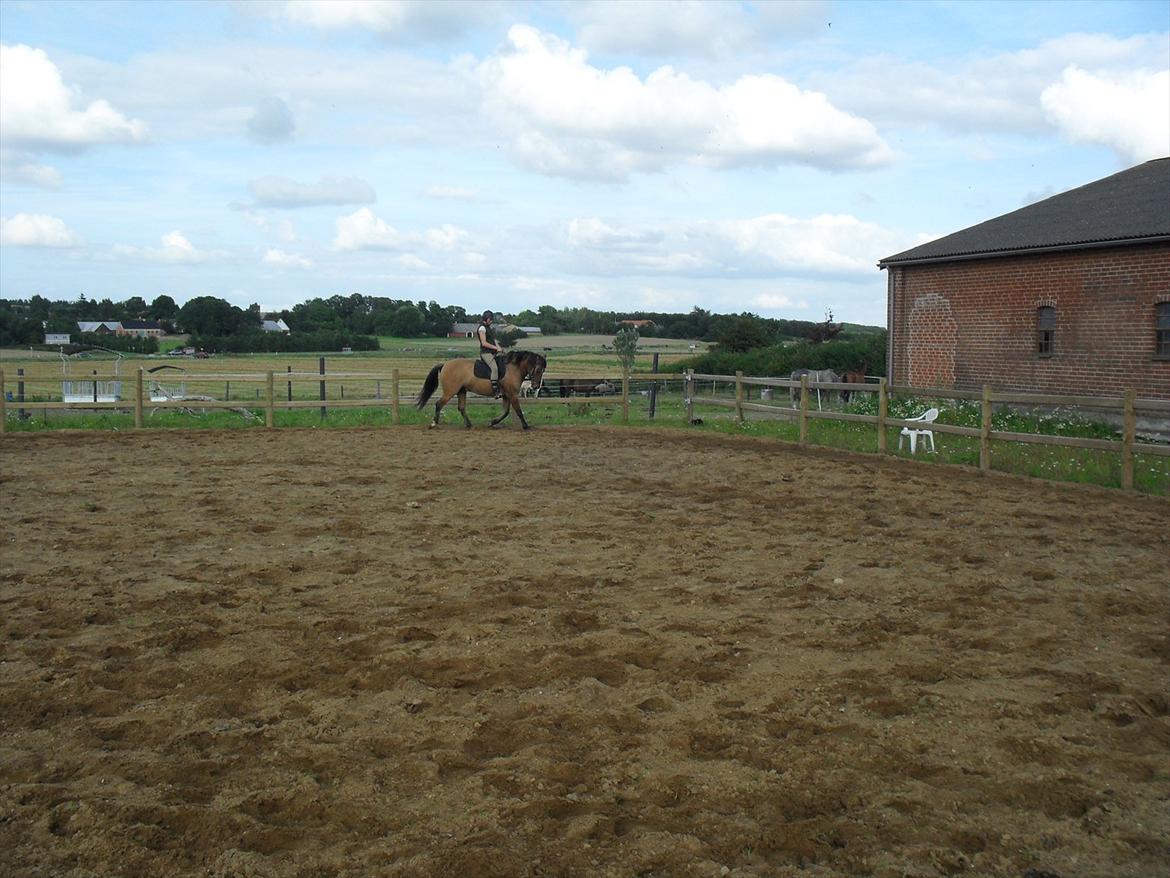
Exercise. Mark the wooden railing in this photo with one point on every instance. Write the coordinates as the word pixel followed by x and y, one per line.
pixel 1127 406
pixel 265 386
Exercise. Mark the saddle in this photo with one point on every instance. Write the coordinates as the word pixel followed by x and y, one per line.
pixel 480 369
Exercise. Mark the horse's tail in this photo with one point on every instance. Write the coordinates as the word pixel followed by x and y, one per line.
pixel 429 386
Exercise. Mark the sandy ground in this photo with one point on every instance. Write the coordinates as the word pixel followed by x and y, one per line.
pixel 322 653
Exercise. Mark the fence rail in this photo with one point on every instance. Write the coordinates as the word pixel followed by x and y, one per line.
pixel 266 396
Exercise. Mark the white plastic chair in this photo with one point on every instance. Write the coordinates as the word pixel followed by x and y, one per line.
pixel 927 417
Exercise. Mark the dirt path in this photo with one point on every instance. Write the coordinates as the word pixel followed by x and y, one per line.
pixel 295 653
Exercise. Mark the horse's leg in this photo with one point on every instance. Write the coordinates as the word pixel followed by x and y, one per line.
pixel 463 407
pixel 520 415
pixel 509 401
pixel 443 400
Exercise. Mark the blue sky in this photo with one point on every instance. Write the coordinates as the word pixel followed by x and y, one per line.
pixel 740 156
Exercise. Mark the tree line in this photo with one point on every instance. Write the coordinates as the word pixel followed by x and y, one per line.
pixel 356 320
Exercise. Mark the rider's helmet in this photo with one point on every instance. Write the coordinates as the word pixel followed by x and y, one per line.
pixel 487 315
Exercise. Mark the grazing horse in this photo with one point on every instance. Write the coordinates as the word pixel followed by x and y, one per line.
pixel 815 376
pixel 856 376
pixel 458 376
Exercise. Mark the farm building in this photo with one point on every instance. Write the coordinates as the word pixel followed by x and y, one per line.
pixel 56 338
pixel 1070 295
pixel 274 326
pixel 99 326
pixel 142 328
pixel 462 330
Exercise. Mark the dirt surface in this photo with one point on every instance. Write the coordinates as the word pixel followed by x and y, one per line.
pixel 571 652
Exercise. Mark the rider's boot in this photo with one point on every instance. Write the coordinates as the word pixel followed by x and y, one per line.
pixel 496 389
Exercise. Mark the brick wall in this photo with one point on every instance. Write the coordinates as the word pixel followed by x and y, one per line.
pixel 965 324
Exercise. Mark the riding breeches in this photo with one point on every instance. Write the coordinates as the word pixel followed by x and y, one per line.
pixel 493 367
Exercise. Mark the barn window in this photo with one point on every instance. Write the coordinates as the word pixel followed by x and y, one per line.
pixel 1162 330
pixel 1045 330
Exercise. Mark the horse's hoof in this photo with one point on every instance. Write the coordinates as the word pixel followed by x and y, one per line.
pixel 432 426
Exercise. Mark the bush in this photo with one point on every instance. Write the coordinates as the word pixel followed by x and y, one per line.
pixel 779 361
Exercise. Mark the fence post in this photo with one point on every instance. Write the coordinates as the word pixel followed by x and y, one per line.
pixel 3 405
pixel 803 409
pixel 689 395
pixel 322 365
pixel 654 387
pixel 289 370
pixel 1129 435
pixel 270 403
pixel 882 414
pixel 739 398
pixel 394 396
pixel 985 430
pixel 138 400
pixel 625 394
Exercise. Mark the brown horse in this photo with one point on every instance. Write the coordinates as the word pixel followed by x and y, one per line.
pixel 458 377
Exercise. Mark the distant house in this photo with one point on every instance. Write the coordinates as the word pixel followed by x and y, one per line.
pixel 99 326
pixel 463 330
pixel 56 338
pixel 142 328
pixel 1070 295
pixel 637 324
pixel 274 326
pixel 529 330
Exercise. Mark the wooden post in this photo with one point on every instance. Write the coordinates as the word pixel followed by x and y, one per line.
pixel 3 405
pixel 985 430
pixel 394 396
pixel 625 394
pixel 654 388
pixel 138 401
pixel 882 414
pixel 322 365
pixel 1128 436
pixel 289 370
pixel 739 397
pixel 270 403
pixel 689 394
pixel 803 409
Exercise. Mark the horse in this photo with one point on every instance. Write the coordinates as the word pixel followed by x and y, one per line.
pixel 856 376
pixel 458 376
pixel 815 376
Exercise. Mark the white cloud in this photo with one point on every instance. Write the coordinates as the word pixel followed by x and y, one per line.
pixel 363 230
pixel 570 118
pixel 20 167
pixel 175 249
pixel 38 111
pixel 776 302
pixel 770 245
pixel 987 94
pixel 36 230
pixel 282 259
pixel 409 260
pixel 272 122
pixel 285 194
pixel 393 19
pixel 1130 114
pixel 452 193
pixel 696 27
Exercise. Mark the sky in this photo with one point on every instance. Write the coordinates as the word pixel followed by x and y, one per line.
pixel 753 157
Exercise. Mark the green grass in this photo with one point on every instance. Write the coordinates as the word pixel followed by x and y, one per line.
pixel 1151 473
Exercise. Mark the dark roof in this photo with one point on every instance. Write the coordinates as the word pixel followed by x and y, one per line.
pixel 1132 206
pixel 140 324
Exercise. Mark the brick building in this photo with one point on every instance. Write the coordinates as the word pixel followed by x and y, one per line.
pixel 1070 295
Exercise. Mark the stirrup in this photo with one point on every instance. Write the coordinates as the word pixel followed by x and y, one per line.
pixel 496 393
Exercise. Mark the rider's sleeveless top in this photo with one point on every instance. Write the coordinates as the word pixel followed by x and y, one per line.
pixel 490 335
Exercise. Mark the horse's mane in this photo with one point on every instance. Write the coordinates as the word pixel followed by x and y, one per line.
pixel 521 357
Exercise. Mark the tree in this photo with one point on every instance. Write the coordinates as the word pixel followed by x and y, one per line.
pixel 744 333
pixel 822 332
pixel 625 342
pixel 163 309
pixel 207 315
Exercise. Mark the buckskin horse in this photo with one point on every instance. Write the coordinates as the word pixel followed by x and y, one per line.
pixel 460 375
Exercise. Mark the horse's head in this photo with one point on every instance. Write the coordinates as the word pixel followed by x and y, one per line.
pixel 534 369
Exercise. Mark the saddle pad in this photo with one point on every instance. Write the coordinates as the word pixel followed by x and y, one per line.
pixel 480 369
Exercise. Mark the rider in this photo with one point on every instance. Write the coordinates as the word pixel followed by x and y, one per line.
pixel 488 350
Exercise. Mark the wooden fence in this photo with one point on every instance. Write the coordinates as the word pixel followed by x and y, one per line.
pixel 1127 406
pixel 267 397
